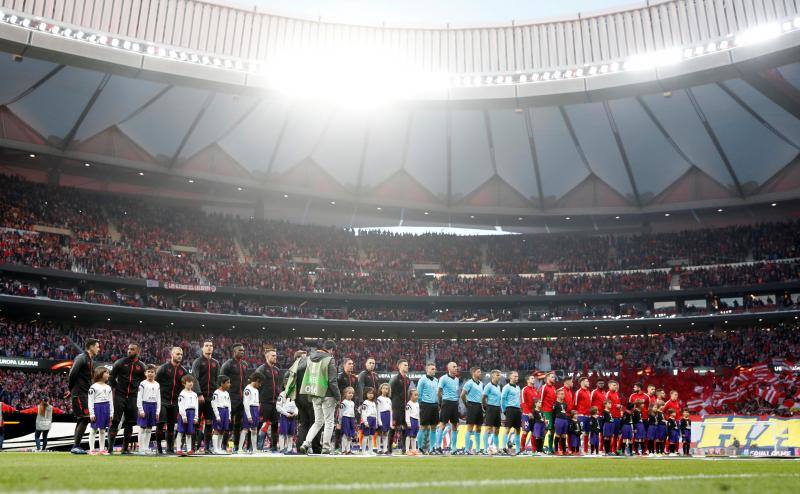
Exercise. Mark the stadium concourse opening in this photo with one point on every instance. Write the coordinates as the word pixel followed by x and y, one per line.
pixel 484 256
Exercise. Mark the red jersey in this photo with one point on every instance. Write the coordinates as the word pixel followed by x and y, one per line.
pixel 598 398
pixel 528 400
pixel 616 409
pixel 672 405
pixel 583 401
pixel 640 396
pixel 548 397
pixel 568 398
pixel 653 400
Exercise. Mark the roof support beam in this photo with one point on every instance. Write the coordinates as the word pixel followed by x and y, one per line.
pixel 197 118
pixel 724 156
pixel 755 115
pixel 279 141
pixel 622 152
pixel 239 120
pixel 147 103
pixel 663 131
pixel 86 109
pixel 534 156
pixel 448 128
pixel 363 158
pixel 774 86
pixel 34 87
pixel 575 141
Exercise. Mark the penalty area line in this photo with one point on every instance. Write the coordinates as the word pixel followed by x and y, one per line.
pixel 378 486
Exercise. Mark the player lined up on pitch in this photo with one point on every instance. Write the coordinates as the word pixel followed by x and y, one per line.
pixel 221 409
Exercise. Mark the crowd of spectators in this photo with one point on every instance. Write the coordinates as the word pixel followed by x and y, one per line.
pixel 33 339
pixel 749 274
pixel 341 310
pixel 718 348
pixel 125 237
pixel 587 253
pixel 24 389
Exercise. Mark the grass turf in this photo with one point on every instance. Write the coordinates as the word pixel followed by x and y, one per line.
pixel 63 473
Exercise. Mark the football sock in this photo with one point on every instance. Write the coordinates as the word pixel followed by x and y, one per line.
pixel 253 440
pixel 241 441
pixel 237 436
pixel 159 436
pixel 127 436
pixel 91 438
pixel 207 436
pixel 80 430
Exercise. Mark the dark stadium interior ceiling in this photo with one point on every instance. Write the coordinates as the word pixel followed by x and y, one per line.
pixel 726 143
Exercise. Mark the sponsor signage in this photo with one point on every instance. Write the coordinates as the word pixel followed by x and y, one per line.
pixel 35 364
pixel 188 288
pixel 21 363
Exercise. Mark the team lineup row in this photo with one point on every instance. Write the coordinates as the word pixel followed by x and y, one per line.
pixel 215 403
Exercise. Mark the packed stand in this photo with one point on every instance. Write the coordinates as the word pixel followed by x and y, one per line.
pixel 717 348
pixel 33 339
pixel 184 245
pixel 750 274
pixel 24 389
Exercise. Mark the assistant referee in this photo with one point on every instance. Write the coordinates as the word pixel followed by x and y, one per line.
pixel 428 389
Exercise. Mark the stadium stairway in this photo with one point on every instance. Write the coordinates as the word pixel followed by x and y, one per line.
pixel 544 361
pixel 78 348
pixel 241 252
pixel 675 282
pixel 486 266
pixel 113 232
pixel 199 274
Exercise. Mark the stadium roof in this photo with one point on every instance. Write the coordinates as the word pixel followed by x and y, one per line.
pixel 713 128
pixel 723 141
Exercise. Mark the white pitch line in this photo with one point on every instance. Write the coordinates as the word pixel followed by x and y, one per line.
pixel 375 486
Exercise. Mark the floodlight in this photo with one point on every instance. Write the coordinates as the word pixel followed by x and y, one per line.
pixel 758 34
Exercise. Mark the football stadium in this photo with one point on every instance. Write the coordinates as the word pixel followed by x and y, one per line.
pixel 266 246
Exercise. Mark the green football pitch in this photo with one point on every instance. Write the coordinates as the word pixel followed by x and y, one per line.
pixel 62 473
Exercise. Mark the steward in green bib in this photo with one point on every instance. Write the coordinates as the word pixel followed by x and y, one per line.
pixel 315 380
pixel 319 385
